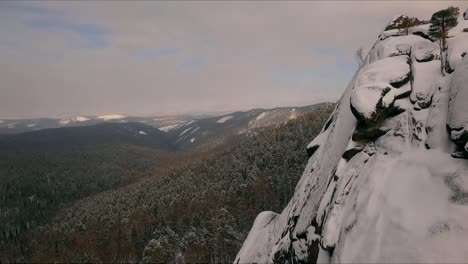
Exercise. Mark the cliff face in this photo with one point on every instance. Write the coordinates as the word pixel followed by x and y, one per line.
pixel 387 180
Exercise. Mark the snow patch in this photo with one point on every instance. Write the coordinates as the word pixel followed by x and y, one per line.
pixel 68 120
pixel 261 116
pixel 81 119
pixel 64 122
pixel 185 131
pixel 111 117
pixel 168 128
pixel 195 130
pixel 190 122
pixel 224 119
pixel 142 132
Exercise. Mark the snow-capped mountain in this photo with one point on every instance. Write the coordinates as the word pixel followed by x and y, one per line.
pixel 11 126
pixel 387 178
pixel 263 118
pixel 166 133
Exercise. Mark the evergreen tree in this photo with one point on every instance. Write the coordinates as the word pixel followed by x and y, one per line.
pixel 441 22
pixel 407 23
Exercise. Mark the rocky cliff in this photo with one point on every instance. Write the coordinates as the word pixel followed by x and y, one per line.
pixel 387 178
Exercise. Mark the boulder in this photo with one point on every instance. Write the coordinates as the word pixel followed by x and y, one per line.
pixel 425 50
pixel 456 50
pixel 374 93
pixel 457 122
pixel 425 83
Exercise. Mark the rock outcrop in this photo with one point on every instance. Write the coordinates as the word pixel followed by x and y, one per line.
pixel 387 178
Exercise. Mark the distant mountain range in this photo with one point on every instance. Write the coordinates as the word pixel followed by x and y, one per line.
pixel 72 138
pixel 165 133
pixel 12 126
pixel 197 132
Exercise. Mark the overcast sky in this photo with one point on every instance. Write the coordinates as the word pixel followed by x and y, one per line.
pixel 64 58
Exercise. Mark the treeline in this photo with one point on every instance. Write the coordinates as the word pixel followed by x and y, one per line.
pixel 201 212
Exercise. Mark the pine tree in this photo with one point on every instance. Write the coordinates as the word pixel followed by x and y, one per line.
pixel 441 22
pixel 407 23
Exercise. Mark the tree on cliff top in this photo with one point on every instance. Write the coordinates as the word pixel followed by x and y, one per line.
pixel 441 22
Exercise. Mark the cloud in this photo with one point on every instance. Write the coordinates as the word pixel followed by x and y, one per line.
pixel 94 36
pixel 77 57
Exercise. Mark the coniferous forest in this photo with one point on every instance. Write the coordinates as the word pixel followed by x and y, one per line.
pixel 115 203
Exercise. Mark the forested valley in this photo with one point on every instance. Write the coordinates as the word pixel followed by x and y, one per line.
pixel 116 203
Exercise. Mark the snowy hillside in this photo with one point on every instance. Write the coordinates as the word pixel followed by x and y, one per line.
pixel 387 178
pixel 196 132
pixel 206 124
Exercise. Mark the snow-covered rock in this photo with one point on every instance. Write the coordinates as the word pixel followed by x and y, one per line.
pixel 381 185
pixel 456 50
pixel 399 46
pixel 458 105
pixel 393 70
pixel 259 239
pixel 425 50
pixel 377 87
pixel 419 30
pixel 423 88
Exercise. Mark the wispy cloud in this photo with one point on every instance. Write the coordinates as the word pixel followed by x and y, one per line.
pixel 24 7
pixel 173 56
pixel 49 19
pixel 94 36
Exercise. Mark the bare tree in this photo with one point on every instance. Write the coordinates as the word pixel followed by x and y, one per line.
pixel 360 56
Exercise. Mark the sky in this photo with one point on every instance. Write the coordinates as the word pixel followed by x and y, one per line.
pixel 66 58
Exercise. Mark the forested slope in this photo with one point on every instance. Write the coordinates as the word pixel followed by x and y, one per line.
pixel 201 212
